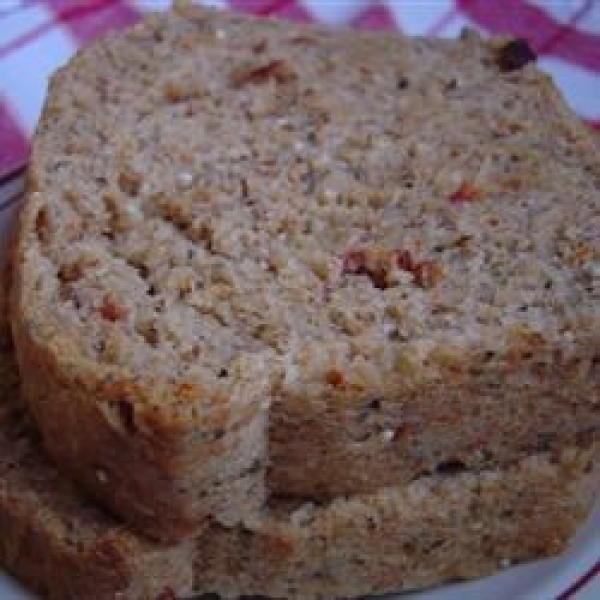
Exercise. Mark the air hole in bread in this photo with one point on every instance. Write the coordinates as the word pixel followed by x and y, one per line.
pixel 129 182
pixel 450 467
pixel 41 224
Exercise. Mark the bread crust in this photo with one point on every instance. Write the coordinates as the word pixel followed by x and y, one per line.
pixel 421 292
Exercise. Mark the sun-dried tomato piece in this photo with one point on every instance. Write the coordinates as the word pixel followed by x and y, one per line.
pixel 355 262
pixel 279 70
pixel 580 254
pixel 111 311
pixel 186 390
pixel 377 265
pixel 379 278
pixel 334 377
pixel 404 260
pixel 359 262
pixel 427 274
pixel 466 193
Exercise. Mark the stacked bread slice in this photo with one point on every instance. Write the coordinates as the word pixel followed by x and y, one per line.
pixel 312 314
pixel 432 530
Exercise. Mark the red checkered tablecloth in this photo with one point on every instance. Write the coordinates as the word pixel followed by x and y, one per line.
pixel 37 36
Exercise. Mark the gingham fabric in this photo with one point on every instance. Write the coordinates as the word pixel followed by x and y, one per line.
pixel 37 36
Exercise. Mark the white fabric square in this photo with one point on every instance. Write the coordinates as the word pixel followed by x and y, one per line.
pixel 20 21
pixel 579 86
pixel 336 12
pixel 417 18
pixel 24 73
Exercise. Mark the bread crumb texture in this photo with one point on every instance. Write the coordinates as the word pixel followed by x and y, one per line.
pixel 58 542
pixel 392 242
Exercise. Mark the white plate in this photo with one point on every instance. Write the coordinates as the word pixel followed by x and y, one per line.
pixel 577 569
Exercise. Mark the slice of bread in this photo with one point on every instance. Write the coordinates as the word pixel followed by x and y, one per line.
pixel 436 529
pixel 261 259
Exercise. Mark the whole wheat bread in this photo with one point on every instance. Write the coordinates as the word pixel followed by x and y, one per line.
pixel 261 259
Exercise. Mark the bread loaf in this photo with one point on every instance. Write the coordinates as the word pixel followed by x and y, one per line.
pixel 261 259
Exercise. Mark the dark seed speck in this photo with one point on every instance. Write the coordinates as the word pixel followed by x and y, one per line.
pixel 515 55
